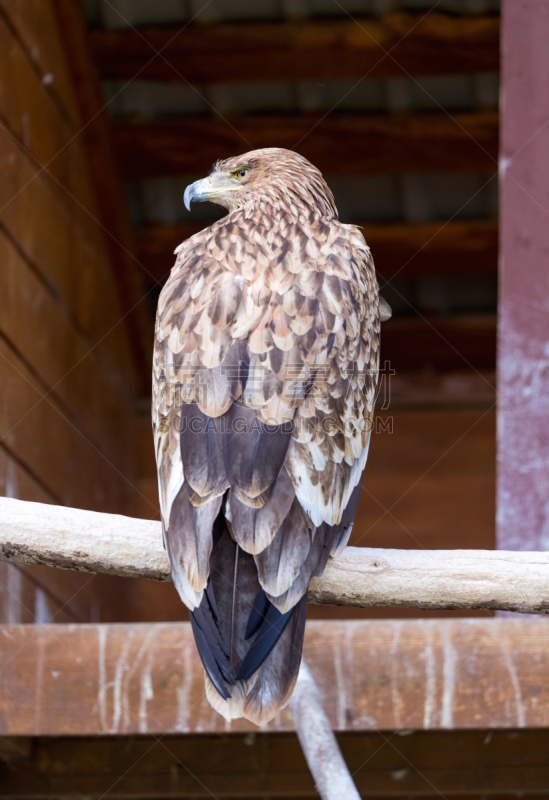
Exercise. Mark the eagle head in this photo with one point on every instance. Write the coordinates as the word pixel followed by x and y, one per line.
pixel 272 175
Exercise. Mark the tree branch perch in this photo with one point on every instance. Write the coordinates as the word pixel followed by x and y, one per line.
pixel 87 541
pixel 333 780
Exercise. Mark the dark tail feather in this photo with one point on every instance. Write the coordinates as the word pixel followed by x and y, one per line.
pixel 211 664
pixel 257 614
pixel 270 631
pixel 239 633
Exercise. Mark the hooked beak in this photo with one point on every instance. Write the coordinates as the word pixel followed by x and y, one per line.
pixel 198 192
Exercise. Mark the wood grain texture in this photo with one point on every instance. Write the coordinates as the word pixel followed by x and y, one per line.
pixel 32 114
pixel 430 481
pixel 65 366
pixel 48 202
pixel 523 374
pixel 36 29
pixel 48 442
pixel 341 49
pixel 64 359
pixel 433 248
pixel 105 175
pixel 373 675
pixel 38 594
pixel 467 763
pixel 73 266
pixel 342 144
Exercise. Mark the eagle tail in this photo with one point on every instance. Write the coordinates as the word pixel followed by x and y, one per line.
pixel 251 652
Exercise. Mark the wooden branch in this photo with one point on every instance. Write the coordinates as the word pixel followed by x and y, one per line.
pixel 340 144
pixel 332 778
pixel 33 533
pixel 342 49
pixel 432 248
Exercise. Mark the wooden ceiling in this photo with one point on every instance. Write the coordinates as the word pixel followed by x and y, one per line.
pixel 398 109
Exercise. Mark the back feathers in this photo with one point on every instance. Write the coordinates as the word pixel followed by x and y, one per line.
pixel 265 369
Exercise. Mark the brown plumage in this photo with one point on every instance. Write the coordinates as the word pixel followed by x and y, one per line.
pixel 265 371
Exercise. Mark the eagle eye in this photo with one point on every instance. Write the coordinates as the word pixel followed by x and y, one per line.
pixel 241 173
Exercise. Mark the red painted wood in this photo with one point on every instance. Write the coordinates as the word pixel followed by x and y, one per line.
pixel 523 359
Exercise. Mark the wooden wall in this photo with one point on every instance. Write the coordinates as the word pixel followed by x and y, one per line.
pixel 67 372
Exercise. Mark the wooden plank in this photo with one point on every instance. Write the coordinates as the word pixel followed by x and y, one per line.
pixel 440 343
pixel 15 749
pixel 373 675
pixel 35 119
pixel 422 764
pixel 51 446
pixel 40 594
pixel 29 595
pixel 20 597
pixel 342 144
pixel 70 370
pixel 523 377
pixel 35 25
pixel 407 249
pixel 421 469
pixel 61 466
pixel 461 764
pixel 24 601
pixel 334 49
pixel 53 141
pixel 453 391
pixel 113 213
pixel 74 267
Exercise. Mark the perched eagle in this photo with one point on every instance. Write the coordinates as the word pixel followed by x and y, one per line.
pixel 265 370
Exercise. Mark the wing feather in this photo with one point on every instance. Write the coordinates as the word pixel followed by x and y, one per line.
pixel 266 357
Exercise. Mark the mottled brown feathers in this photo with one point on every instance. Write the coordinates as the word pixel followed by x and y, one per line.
pixel 265 372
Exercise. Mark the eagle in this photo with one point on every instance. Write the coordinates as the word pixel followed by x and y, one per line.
pixel 265 368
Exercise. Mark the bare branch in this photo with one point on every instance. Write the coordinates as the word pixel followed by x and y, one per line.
pixel 332 778
pixel 68 538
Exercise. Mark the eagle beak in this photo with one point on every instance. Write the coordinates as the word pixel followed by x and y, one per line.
pixel 198 192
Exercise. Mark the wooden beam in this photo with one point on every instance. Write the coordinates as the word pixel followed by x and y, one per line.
pixel 95 132
pixel 32 533
pixel 467 247
pixel 440 343
pixel 523 374
pixel 74 680
pixel 460 389
pixel 402 764
pixel 338 144
pixel 320 50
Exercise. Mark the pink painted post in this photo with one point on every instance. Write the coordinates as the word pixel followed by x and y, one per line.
pixel 523 356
